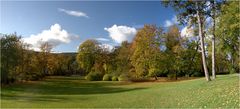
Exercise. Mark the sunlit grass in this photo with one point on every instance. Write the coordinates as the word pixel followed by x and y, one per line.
pixel 76 92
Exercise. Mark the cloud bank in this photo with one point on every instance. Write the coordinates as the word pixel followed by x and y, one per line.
pixel 54 36
pixel 121 33
pixel 74 13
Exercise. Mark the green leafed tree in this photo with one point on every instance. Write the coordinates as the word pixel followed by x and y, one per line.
pixel 174 50
pixel 228 32
pixel 123 58
pixel 10 57
pixel 86 56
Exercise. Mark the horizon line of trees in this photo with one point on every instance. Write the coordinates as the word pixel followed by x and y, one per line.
pixel 19 63
pixel 154 52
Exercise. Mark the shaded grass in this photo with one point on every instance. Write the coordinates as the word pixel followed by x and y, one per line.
pixel 70 92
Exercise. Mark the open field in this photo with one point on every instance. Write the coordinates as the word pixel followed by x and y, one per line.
pixel 70 92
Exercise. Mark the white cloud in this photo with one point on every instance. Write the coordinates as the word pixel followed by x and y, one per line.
pixel 121 33
pixel 171 22
pixel 187 32
pixel 102 39
pixel 54 36
pixel 107 47
pixel 74 13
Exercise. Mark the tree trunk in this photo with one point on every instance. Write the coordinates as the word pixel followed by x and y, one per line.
pixel 213 57
pixel 175 75
pixel 22 61
pixel 199 20
pixel 155 77
pixel 213 43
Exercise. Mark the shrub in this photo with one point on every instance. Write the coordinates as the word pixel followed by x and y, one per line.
pixel 153 72
pixel 34 77
pixel 232 71
pixel 196 74
pixel 171 76
pixel 94 76
pixel 114 78
pixel 123 78
pixel 106 77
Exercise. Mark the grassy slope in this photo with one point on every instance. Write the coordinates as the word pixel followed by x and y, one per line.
pixel 73 92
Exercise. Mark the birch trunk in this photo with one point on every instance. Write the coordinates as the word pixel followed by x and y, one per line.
pixel 199 20
pixel 213 57
pixel 213 43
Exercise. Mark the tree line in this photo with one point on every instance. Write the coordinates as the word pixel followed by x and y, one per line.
pixel 19 63
pixel 154 51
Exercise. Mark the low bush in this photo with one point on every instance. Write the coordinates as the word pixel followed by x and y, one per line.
pixel 232 71
pixel 106 77
pixel 196 74
pixel 123 78
pixel 34 77
pixel 94 76
pixel 172 76
pixel 114 78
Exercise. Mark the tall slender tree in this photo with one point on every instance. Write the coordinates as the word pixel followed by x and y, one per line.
pixel 193 11
pixel 213 39
pixel 213 11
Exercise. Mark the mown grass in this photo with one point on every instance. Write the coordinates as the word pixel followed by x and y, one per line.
pixel 74 92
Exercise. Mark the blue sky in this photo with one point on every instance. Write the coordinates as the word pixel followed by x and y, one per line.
pixel 81 20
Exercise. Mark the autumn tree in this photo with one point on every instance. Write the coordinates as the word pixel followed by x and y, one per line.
pixel 44 57
pixel 145 47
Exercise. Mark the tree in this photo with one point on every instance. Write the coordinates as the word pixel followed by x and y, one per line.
pixel 87 54
pixel 213 11
pixel 191 58
pixel 25 60
pixel 123 58
pixel 10 57
pixel 193 11
pixel 213 15
pixel 173 50
pixel 228 32
pixel 145 47
pixel 45 56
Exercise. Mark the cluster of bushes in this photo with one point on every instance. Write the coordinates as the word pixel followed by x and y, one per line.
pixel 107 77
pixel 97 76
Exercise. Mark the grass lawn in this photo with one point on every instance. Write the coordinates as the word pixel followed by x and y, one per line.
pixel 74 92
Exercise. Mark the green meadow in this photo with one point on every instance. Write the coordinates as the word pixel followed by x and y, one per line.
pixel 75 92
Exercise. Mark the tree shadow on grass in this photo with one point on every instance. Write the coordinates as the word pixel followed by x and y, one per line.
pixel 52 92
pixel 82 88
pixel 49 90
pixel 32 98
